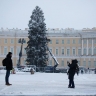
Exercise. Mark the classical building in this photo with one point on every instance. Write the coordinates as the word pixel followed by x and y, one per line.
pixel 65 44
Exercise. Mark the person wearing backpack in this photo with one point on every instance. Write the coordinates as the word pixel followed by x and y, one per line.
pixel 73 67
pixel 9 66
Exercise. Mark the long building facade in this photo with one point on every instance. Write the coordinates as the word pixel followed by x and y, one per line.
pixel 65 44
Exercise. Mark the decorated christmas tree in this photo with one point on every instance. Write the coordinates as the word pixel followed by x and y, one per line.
pixel 37 47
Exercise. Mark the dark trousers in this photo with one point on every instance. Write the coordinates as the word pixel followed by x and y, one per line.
pixel 7 76
pixel 71 80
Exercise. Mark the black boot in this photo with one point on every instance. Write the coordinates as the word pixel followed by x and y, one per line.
pixel 72 87
pixel 69 86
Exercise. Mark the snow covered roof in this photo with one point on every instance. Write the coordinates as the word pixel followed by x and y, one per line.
pixel 91 33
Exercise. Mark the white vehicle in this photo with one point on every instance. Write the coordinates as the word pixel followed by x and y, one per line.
pixel 28 69
pixel 17 70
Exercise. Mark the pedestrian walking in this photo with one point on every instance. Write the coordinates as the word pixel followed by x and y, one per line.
pixel 73 68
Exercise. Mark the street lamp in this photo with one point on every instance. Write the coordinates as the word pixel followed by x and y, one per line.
pixel 20 54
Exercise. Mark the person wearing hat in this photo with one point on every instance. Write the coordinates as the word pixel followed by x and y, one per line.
pixel 9 66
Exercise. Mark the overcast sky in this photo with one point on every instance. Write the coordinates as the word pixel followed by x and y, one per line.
pixel 75 14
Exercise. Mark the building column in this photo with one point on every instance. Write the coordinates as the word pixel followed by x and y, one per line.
pixel 82 46
pixel 65 51
pixel 87 46
pixel 92 46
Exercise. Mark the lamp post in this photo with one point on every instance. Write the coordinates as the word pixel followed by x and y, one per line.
pixel 20 54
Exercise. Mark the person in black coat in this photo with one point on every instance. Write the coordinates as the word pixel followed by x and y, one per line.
pixel 9 66
pixel 73 67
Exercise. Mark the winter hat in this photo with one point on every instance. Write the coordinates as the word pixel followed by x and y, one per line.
pixel 76 61
pixel 10 53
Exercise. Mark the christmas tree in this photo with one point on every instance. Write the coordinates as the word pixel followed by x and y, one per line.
pixel 37 47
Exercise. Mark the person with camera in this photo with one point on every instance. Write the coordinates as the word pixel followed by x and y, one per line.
pixel 73 68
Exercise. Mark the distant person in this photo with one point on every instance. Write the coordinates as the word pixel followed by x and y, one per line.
pixel 95 70
pixel 9 66
pixel 32 71
pixel 82 72
pixel 88 70
pixel 73 68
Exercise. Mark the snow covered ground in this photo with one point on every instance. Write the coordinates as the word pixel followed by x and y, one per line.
pixel 47 84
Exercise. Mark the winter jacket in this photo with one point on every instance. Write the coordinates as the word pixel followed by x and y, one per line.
pixel 9 65
pixel 72 67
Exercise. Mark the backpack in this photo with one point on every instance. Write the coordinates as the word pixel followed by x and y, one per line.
pixel 4 62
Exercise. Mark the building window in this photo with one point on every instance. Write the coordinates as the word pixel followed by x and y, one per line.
pixel 62 51
pixel 94 51
pixel 50 63
pixel 24 62
pixel 68 41
pixel 12 41
pixel 90 41
pixel 79 52
pixel 51 50
pixel 5 51
pixel 84 63
pixel 17 61
pixel 79 41
pixel 5 40
pixel 94 63
pixel 57 41
pixel 73 52
pixel 13 61
pixel 85 41
pixel 90 51
pixel 24 41
pixel 24 51
pixel 73 41
pixel 68 52
pixel 94 41
pixel 50 41
pixel 79 63
pixel 89 63
pixel 56 51
pixel 62 41
pixel 62 63
pixel 18 41
pixel 12 50
pixel 18 51
pixel 85 51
